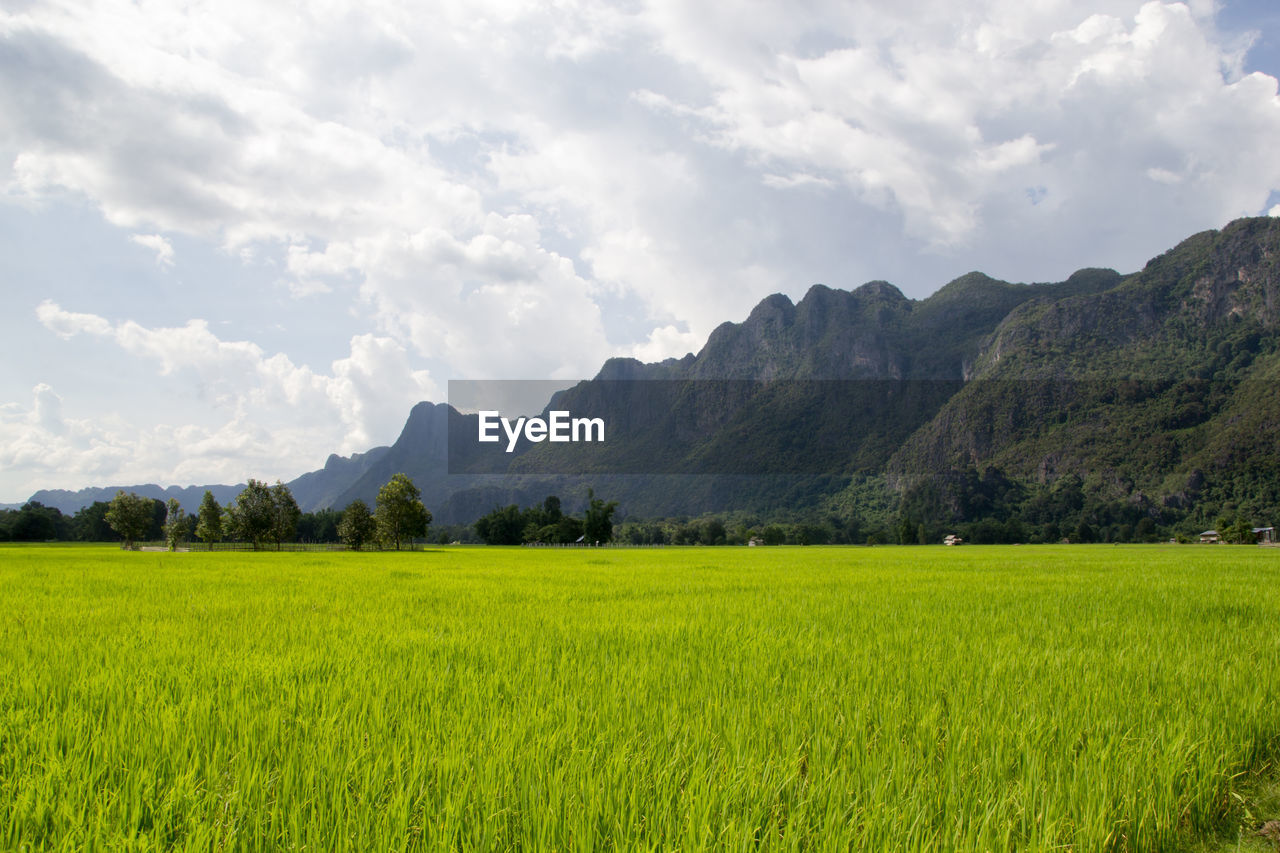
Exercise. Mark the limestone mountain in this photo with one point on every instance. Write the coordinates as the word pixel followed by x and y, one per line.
pixel 1160 390
pixel 1156 390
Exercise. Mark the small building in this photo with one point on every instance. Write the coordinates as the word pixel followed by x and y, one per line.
pixel 952 539
pixel 1210 537
pixel 754 541
pixel 1264 535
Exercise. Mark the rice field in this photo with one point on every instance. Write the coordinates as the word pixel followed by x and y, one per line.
pixel 1037 698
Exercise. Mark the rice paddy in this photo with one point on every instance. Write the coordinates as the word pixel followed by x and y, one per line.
pixel 971 699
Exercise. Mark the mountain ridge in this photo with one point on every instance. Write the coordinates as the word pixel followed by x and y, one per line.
pixel 1206 310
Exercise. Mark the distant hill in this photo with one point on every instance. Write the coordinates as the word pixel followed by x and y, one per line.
pixel 188 496
pixel 325 488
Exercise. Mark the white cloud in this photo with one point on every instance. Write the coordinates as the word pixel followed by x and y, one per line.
pixel 333 136
pixel 374 386
pixel 942 118
pixel 1163 176
pixel 505 188
pixel 285 415
pixel 794 180
pixel 65 324
pixel 47 411
pixel 666 342
pixel 109 449
pixel 157 244
pixel 493 303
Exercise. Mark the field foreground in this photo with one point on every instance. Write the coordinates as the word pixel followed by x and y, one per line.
pixel 1006 698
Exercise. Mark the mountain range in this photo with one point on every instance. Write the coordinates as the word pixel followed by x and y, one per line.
pixel 1156 390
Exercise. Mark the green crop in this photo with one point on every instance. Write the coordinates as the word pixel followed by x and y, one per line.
pixel 970 699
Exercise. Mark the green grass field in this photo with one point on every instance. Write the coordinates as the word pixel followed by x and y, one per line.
pixel 1032 698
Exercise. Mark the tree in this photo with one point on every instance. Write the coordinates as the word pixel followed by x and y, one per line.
pixel 400 514
pixel 320 526
pixel 1238 532
pixel 264 513
pixel 564 531
pixel 551 509
pixel 175 524
pixel 36 522
pixel 711 532
pixel 159 512
pixel 284 514
pixel 90 523
pixel 209 527
pixel 774 535
pixel 598 524
pixel 502 525
pixel 357 526
pixel 250 517
pixel 130 516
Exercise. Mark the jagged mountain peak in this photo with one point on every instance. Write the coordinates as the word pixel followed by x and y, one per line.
pixel 1156 323
pixel 874 331
pixel 622 368
pixel 821 294
pixel 774 307
pixel 1134 387
pixel 879 289
pixel 1204 312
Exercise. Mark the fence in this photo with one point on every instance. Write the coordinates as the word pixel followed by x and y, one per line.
pixel 614 544
pixel 415 545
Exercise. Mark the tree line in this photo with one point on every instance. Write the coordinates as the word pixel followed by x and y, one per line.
pixel 261 515
pixel 548 524
pixel 992 508
pixel 981 507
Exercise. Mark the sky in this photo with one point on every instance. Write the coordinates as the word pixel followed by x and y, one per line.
pixel 237 237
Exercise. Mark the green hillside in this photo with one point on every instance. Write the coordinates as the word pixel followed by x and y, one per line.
pixel 1159 392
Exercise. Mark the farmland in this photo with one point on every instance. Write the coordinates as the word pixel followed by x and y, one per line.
pixel 998 698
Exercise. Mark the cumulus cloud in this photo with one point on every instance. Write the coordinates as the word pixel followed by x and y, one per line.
pixel 157 244
pixel 945 119
pixel 663 342
pixel 41 447
pixel 47 411
pixel 795 179
pixel 591 131
pixel 66 324
pixel 287 414
pixel 512 188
